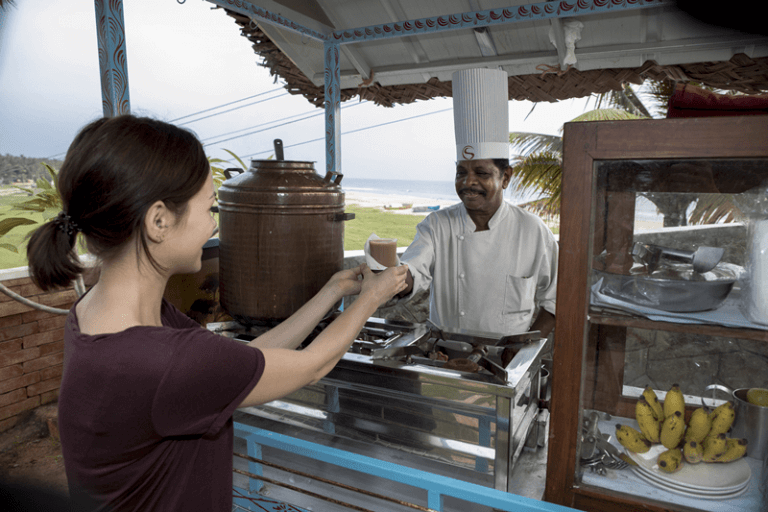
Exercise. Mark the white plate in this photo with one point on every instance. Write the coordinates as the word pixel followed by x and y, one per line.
pixel 666 484
pixel 713 477
pixel 693 494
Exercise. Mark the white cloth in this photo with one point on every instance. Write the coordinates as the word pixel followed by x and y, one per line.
pixel 490 280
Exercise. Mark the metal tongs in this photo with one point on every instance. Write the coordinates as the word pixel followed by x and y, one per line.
pixel 597 453
pixel 702 259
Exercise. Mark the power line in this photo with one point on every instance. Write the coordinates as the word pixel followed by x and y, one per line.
pixel 354 131
pixel 224 105
pixel 232 109
pixel 317 114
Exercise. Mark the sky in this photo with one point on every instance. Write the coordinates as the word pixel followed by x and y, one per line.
pixel 184 58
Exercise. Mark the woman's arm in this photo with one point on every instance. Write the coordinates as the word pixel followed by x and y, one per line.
pixel 286 370
pixel 292 331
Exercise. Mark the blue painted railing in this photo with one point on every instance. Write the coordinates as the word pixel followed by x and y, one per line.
pixel 437 486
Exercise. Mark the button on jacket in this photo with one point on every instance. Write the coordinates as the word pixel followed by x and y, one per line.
pixel 490 280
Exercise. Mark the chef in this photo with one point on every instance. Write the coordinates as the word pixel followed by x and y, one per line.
pixel 489 265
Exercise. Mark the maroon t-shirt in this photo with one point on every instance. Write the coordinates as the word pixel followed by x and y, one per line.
pixel 145 415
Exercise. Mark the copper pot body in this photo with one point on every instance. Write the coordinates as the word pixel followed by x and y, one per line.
pixel 281 235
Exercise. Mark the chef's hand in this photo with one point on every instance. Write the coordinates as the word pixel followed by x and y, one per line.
pixel 386 284
pixel 347 282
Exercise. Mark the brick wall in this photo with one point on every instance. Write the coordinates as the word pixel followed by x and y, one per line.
pixel 31 349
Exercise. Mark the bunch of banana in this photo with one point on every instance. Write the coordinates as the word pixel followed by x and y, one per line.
pixel 701 439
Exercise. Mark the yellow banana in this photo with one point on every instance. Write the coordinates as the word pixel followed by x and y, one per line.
pixel 649 425
pixel 650 396
pixel 737 448
pixel 693 452
pixel 714 447
pixel 698 426
pixel 673 430
pixel 722 419
pixel 670 460
pixel 631 439
pixel 674 401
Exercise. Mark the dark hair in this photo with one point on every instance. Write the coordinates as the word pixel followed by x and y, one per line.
pixel 115 169
pixel 501 164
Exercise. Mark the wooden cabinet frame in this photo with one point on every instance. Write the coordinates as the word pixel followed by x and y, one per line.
pixel 585 143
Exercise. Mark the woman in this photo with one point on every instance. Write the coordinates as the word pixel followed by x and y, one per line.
pixel 147 395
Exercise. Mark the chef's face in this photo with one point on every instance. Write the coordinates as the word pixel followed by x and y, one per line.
pixel 480 185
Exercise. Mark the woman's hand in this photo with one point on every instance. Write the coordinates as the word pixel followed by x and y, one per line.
pixel 347 282
pixel 384 285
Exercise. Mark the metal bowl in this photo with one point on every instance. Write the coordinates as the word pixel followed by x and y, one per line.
pixel 675 289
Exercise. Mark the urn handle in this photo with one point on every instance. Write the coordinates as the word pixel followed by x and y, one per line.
pixel 342 216
pixel 333 177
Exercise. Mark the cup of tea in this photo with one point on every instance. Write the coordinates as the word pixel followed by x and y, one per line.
pixel 384 251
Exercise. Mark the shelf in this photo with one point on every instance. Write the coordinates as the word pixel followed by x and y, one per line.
pixel 620 320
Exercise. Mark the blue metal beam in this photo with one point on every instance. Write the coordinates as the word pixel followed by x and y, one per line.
pixel 332 108
pixel 110 31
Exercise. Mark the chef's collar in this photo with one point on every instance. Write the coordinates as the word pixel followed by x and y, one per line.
pixel 495 220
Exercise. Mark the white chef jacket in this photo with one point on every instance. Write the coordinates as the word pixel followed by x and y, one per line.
pixel 490 280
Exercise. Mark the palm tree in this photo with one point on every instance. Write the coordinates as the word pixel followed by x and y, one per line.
pixel 538 168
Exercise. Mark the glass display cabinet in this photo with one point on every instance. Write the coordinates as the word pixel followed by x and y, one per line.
pixel 649 295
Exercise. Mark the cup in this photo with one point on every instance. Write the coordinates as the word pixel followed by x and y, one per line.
pixel 384 251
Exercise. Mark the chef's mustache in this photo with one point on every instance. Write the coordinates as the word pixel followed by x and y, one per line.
pixel 463 191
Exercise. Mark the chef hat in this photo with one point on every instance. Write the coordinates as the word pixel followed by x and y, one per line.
pixel 481 114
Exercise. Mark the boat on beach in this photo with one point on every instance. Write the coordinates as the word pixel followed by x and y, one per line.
pixel 403 206
pixel 426 208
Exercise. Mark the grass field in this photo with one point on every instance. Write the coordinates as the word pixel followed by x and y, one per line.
pixel 357 231
pixel 384 224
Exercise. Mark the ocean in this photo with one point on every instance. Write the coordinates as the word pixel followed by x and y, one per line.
pixel 439 190
pixel 445 190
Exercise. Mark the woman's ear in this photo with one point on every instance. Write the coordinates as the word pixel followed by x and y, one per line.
pixel 157 222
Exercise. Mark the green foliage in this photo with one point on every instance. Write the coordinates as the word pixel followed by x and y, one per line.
pixel 384 224
pixel 43 200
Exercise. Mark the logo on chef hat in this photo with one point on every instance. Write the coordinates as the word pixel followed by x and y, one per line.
pixel 468 153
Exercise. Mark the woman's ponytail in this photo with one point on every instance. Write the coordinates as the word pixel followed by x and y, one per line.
pixel 53 261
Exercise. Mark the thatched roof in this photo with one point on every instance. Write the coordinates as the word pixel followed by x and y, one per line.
pixel 740 74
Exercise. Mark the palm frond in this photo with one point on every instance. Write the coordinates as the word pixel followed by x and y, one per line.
pixel 657 94
pixel 605 114
pixel 714 208
pixel 636 106
pixel 239 160
pixel 525 143
pixel 540 173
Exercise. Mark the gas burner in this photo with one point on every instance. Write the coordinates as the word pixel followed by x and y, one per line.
pixel 417 346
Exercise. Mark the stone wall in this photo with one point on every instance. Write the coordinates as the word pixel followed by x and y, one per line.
pixel 31 348
pixel 662 358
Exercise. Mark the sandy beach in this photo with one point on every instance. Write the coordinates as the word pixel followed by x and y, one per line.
pixel 401 203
